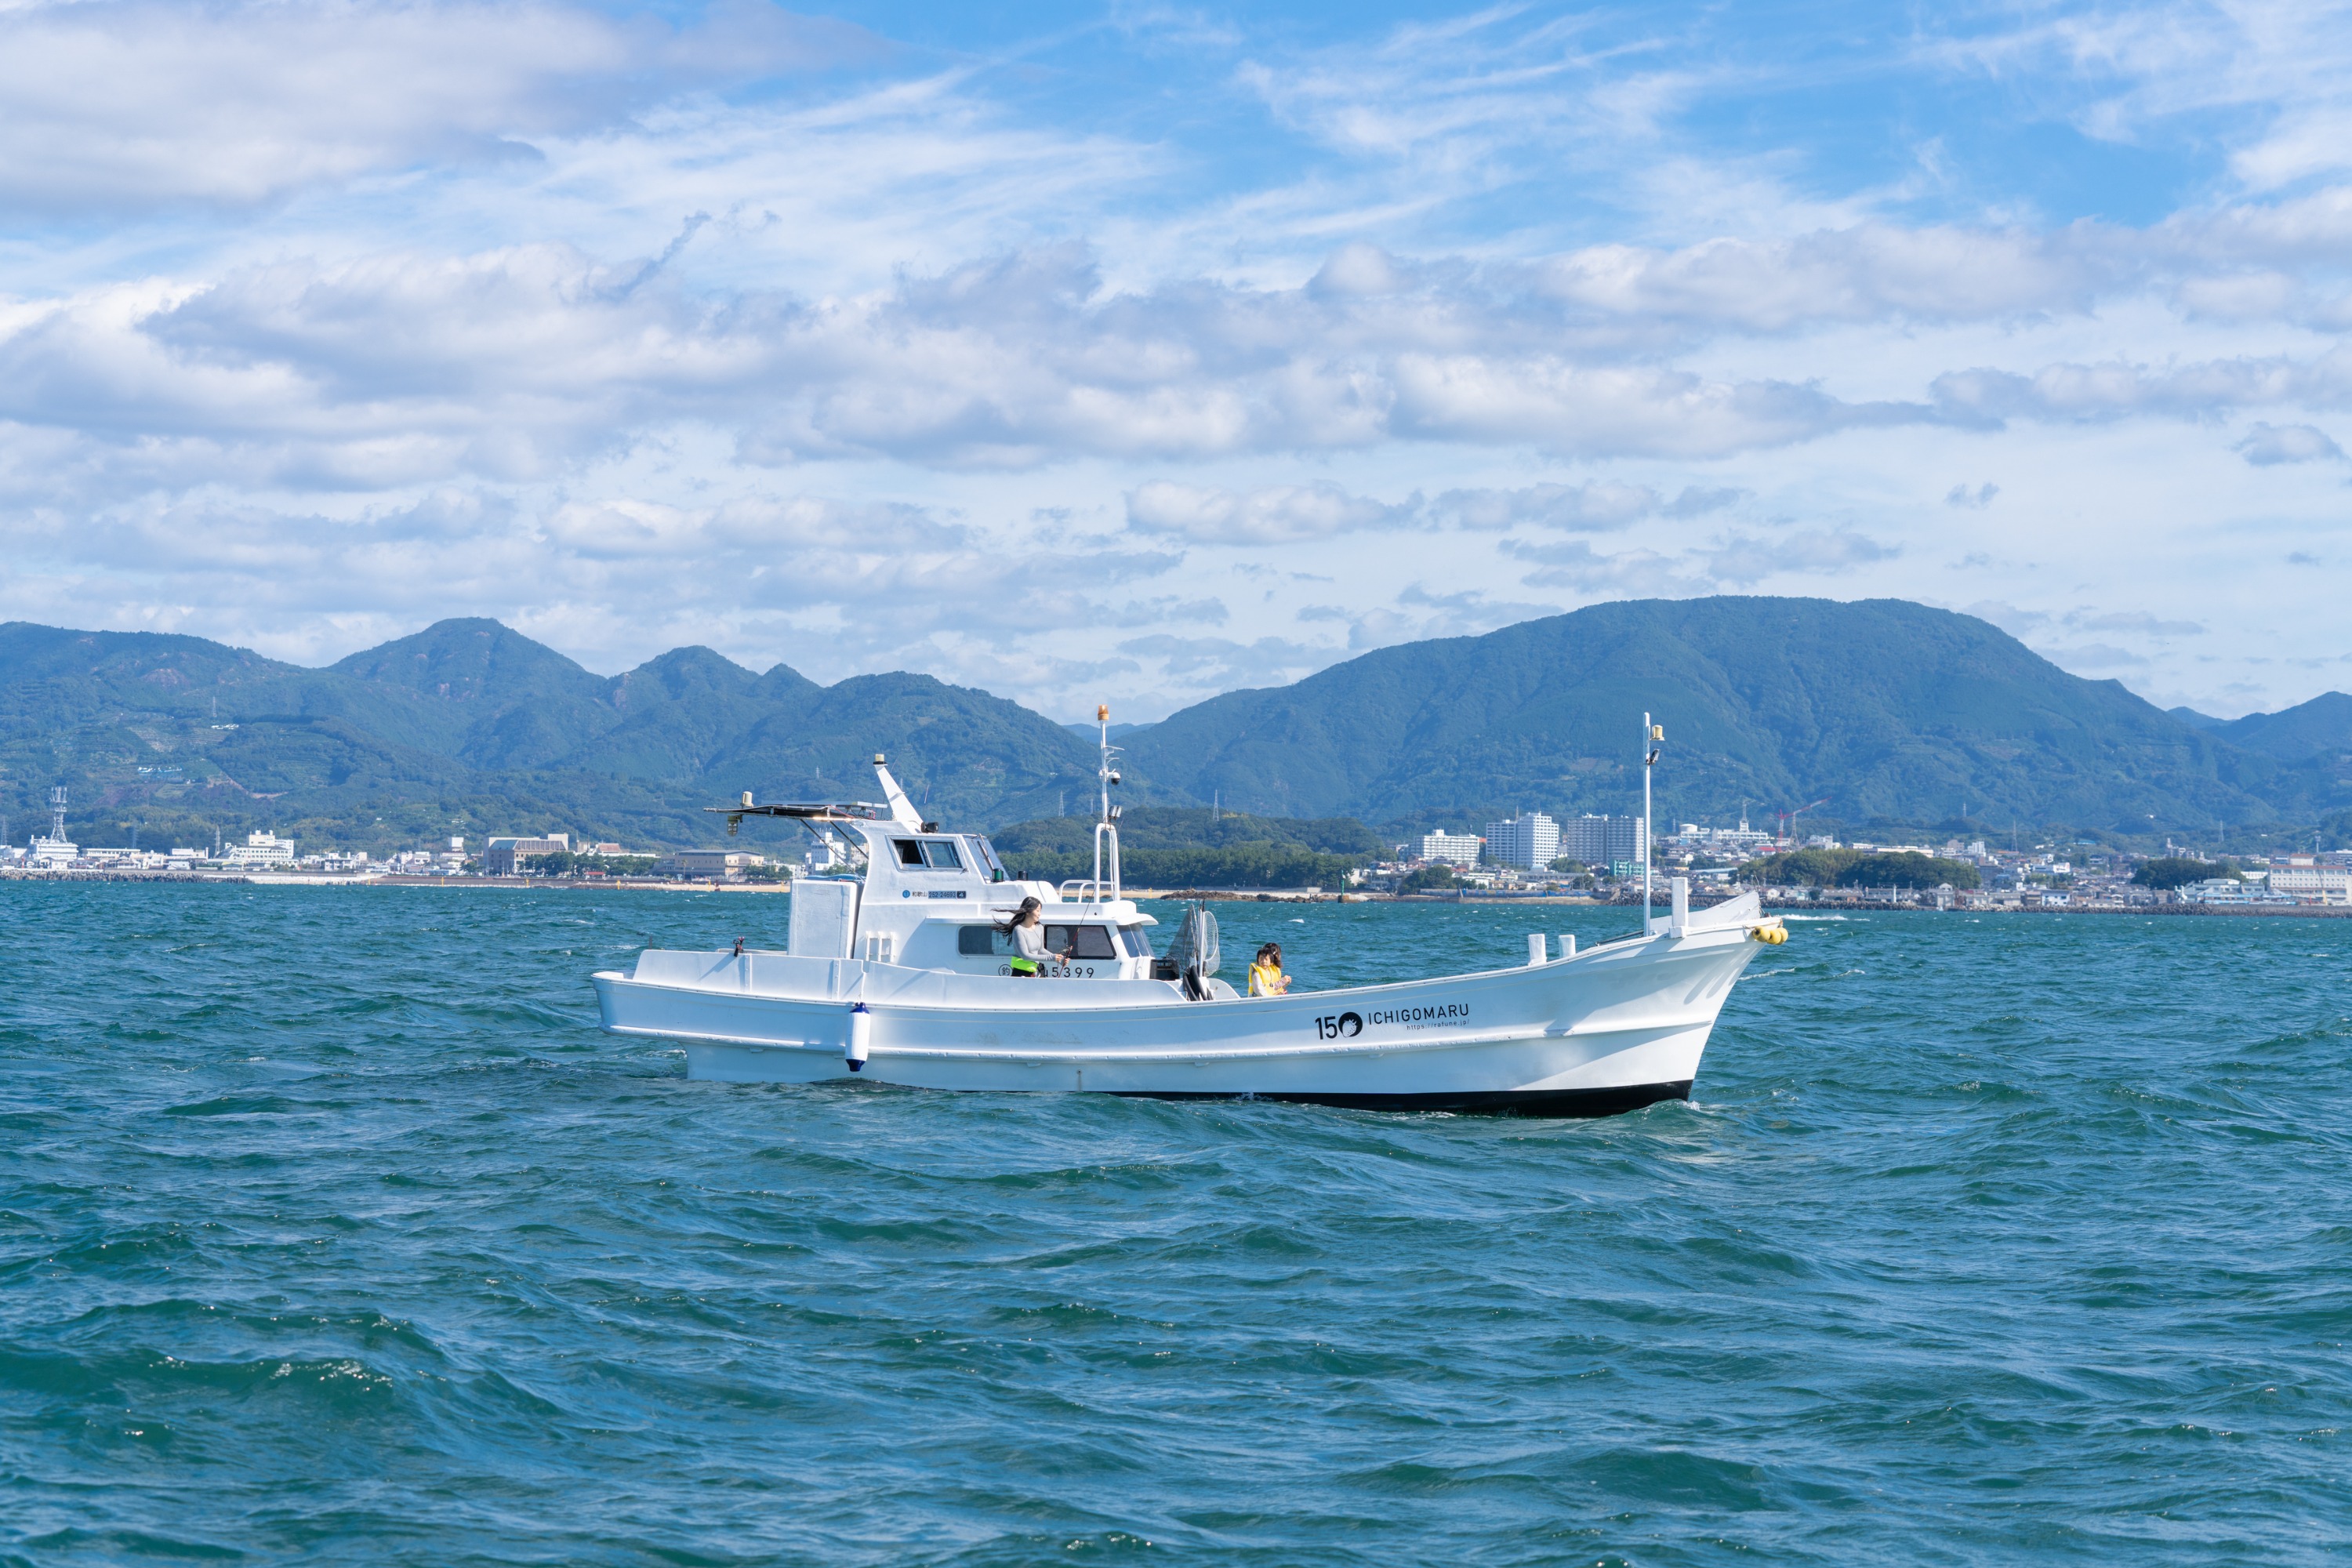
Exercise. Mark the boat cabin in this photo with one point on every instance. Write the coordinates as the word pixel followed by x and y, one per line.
pixel 913 895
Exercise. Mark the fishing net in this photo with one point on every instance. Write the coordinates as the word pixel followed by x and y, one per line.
pixel 1195 951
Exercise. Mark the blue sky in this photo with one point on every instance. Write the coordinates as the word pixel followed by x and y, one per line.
pixel 1136 354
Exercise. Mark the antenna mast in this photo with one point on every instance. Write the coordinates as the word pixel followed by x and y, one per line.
pixel 1652 738
pixel 1105 776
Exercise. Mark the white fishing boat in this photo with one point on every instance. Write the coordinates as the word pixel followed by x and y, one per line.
pixel 902 971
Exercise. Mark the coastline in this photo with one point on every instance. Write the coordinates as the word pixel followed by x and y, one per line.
pixel 1208 895
pixel 329 880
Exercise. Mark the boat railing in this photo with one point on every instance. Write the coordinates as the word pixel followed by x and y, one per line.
pixel 1089 890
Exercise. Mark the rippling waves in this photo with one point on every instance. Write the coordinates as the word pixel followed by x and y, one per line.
pixel 332 1231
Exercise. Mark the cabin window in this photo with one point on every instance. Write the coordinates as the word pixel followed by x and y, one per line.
pixel 909 852
pixel 941 854
pixel 1089 941
pixel 1137 945
pixel 976 942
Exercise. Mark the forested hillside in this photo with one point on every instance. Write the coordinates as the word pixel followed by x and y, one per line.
pixel 469 728
pixel 1883 711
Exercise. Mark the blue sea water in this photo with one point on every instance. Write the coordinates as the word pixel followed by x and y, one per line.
pixel 332 1231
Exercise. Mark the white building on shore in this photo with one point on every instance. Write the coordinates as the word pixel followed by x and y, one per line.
pixel 2304 879
pixel 1530 842
pixel 729 863
pixel 261 849
pixel 55 853
pixel 1603 841
pixel 1448 849
pixel 505 857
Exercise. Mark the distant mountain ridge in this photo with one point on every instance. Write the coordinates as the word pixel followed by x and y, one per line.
pixel 469 728
pixel 1886 709
pixel 2299 734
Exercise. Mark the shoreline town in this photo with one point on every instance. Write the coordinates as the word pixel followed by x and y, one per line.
pixel 1529 858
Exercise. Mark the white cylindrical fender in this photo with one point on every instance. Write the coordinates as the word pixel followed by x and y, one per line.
pixel 861 1037
pixel 1536 953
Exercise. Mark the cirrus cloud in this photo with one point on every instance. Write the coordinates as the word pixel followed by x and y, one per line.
pixel 116 104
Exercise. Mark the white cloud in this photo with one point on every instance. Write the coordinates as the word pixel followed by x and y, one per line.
pixel 1278 514
pixel 2143 66
pixel 1222 663
pixel 1577 567
pixel 2079 658
pixel 114 105
pixel 405 368
pixel 1872 272
pixel 2119 388
pixel 326 317
pixel 1416 612
pixel 2136 621
pixel 1597 507
pixel 2017 621
pixel 2266 446
pixel 1741 560
pixel 1736 561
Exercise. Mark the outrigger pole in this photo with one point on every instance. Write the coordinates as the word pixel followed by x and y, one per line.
pixel 815 817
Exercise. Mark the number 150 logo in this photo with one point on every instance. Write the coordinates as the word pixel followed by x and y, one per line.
pixel 1346 1026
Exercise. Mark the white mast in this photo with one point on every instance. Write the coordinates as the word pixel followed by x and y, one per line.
pixel 1652 734
pixel 1105 776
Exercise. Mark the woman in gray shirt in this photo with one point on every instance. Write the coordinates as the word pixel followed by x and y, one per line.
pixel 1029 948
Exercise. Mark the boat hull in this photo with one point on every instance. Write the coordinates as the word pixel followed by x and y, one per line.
pixel 1555 1103
pixel 1612 1029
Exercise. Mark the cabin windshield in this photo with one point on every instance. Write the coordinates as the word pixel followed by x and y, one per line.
pixel 941 853
pixel 910 852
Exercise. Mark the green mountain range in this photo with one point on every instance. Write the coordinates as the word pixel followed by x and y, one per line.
pixel 470 729
pixel 1886 710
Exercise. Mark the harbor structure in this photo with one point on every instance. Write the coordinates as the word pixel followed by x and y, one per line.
pixel 56 850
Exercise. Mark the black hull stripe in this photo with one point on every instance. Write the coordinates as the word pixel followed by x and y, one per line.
pixel 1488 1102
